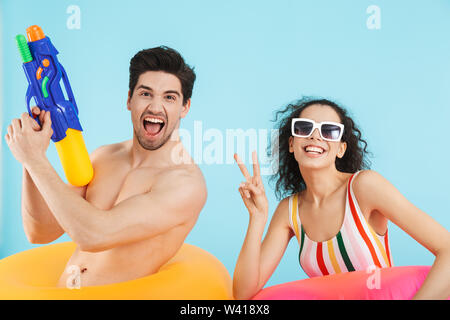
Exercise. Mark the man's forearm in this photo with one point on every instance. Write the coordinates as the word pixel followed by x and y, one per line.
pixel 73 213
pixel 33 204
pixel 32 200
pixel 38 221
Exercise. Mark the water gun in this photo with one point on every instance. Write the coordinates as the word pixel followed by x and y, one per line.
pixel 44 74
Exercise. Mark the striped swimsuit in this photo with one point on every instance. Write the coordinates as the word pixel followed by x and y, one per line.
pixel 355 247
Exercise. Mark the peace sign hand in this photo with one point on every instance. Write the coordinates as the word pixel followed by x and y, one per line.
pixel 252 191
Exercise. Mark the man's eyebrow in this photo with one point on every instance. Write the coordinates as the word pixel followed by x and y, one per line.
pixel 150 89
pixel 144 87
pixel 173 91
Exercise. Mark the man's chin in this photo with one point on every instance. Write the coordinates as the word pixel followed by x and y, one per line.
pixel 152 145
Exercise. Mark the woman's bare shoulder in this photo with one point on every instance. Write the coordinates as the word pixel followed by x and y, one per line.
pixel 281 214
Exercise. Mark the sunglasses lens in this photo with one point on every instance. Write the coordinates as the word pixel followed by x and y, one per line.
pixel 331 131
pixel 303 128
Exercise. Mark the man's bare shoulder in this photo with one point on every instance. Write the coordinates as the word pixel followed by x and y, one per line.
pixel 185 173
pixel 185 180
pixel 109 151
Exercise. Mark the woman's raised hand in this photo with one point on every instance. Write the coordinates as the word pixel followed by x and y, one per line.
pixel 252 190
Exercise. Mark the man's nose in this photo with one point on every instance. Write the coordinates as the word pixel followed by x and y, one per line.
pixel 157 104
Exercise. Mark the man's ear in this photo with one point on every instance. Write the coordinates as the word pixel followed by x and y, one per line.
pixel 342 149
pixel 185 108
pixel 128 100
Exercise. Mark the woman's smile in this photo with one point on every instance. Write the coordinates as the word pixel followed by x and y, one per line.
pixel 314 151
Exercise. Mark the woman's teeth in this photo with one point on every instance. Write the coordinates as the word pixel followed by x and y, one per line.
pixel 315 150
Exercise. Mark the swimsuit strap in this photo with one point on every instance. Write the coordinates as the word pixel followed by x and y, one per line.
pixel 293 214
pixel 371 239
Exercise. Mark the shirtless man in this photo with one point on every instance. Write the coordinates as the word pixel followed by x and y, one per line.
pixel 145 196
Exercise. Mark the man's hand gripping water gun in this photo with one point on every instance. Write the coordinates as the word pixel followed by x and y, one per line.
pixel 44 73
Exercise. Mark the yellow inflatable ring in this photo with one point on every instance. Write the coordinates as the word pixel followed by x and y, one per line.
pixel 192 274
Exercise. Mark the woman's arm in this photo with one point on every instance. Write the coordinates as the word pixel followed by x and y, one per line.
pixel 387 200
pixel 256 261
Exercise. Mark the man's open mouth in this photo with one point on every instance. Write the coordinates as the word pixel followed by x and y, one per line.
pixel 153 125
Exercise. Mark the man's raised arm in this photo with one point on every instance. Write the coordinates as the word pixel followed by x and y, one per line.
pixel 176 198
pixel 38 221
pixel 39 224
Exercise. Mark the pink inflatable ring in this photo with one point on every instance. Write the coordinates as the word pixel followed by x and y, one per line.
pixel 395 283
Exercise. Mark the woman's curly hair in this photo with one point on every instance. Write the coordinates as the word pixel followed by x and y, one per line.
pixel 288 177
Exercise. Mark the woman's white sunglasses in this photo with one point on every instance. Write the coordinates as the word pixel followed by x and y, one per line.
pixel 329 131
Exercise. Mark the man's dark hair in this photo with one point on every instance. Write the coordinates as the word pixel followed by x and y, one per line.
pixel 162 59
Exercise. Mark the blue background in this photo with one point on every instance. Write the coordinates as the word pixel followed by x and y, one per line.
pixel 252 58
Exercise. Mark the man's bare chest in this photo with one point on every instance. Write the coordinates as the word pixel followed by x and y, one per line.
pixel 113 185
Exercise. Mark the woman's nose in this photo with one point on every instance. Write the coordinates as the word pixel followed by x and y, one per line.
pixel 316 134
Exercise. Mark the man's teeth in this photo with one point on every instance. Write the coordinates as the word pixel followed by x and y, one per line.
pixel 314 149
pixel 153 120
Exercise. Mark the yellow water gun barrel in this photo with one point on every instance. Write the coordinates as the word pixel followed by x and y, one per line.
pixel 75 158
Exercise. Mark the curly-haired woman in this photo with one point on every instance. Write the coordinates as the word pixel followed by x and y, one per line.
pixel 337 210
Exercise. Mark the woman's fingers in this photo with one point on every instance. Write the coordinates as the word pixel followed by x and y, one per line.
pixel 257 201
pixel 252 190
pixel 246 192
pixel 242 167
pixel 251 187
pixel 256 171
pixel 247 201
